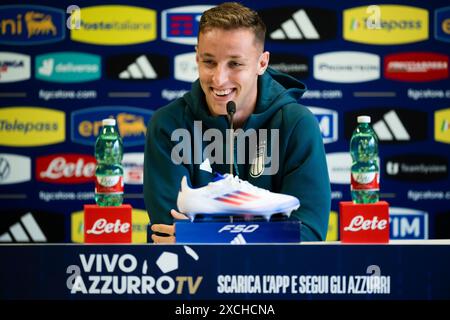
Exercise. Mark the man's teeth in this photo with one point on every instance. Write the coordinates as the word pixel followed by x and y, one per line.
pixel 222 92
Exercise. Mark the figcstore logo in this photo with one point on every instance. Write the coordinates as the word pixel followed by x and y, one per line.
pixel 125 274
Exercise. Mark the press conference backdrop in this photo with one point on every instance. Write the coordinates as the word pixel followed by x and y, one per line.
pixel 58 80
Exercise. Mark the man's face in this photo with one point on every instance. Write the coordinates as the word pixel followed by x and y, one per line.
pixel 229 62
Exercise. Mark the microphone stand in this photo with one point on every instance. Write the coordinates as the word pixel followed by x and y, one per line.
pixel 231 109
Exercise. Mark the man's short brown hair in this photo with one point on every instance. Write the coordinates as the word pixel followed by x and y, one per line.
pixel 233 15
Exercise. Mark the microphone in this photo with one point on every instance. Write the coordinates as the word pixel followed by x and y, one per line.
pixel 231 110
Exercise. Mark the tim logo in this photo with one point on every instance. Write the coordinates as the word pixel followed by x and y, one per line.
pixel 31 25
pixel 181 24
pixel 299 25
pixel 132 124
pixel 442 24
pixel 408 224
pixel 328 122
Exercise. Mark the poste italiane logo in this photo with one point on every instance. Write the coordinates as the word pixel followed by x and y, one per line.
pixel 442 125
pixel 31 126
pixel 115 25
pixel 393 24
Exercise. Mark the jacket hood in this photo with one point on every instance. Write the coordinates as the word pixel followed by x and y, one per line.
pixel 275 90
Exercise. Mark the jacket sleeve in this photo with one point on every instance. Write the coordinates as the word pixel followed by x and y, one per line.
pixel 162 177
pixel 306 177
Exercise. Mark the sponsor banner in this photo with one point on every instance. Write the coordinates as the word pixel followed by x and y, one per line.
pixel 391 125
pixel 183 273
pixel 31 226
pixel 68 67
pixel 442 125
pixel 346 66
pixel 14 168
pixel 115 25
pixel 137 67
pixel 417 167
pixel 339 166
pixel 172 94
pixel 442 225
pixel 110 224
pixel 65 168
pixel 31 126
pixel 442 24
pixel 294 24
pixel 133 168
pixel 328 123
pixel 131 121
pixel 364 223
pixel 185 67
pixel 31 25
pixel 139 218
pixel 14 67
pixel 385 24
pixel 408 223
pixel 333 227
pixel 416 66
pixel 67 94
pixel 294 65
pixel 417 94
pixel 181 24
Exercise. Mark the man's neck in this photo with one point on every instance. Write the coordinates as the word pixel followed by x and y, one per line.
pixel 241 117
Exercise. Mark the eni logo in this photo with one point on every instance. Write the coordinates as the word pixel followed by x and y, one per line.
pixel 30 25
pixel 387 25
pixel 131 123
pixel 39 23
pixel 31 126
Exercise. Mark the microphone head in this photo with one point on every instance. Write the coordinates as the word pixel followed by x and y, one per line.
pixel 231 107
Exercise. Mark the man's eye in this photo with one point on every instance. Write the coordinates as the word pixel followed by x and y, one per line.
pixel 235 64
pixel 208 62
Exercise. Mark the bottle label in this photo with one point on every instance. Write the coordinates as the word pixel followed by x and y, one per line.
pixel 365 181
pixel 109 184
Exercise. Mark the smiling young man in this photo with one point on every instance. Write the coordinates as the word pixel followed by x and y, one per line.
pixel 233 66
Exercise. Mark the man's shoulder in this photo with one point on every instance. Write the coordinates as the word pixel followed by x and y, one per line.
pixel 295 112
pixel 172 112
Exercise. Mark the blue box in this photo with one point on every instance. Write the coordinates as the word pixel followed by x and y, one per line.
pixel 238 232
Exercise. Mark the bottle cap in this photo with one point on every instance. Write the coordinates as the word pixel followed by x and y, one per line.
pixel 109 122
pixel 363 119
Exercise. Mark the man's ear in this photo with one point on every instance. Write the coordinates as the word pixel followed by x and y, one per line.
pixel 263 62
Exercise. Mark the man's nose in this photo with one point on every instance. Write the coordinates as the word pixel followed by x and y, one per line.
pixel 220 75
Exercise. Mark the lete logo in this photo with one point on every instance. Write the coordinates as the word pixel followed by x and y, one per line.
pixel 66 168
pixel 364 223
pixel 102 226
pixel 107 224
pixel 358 223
